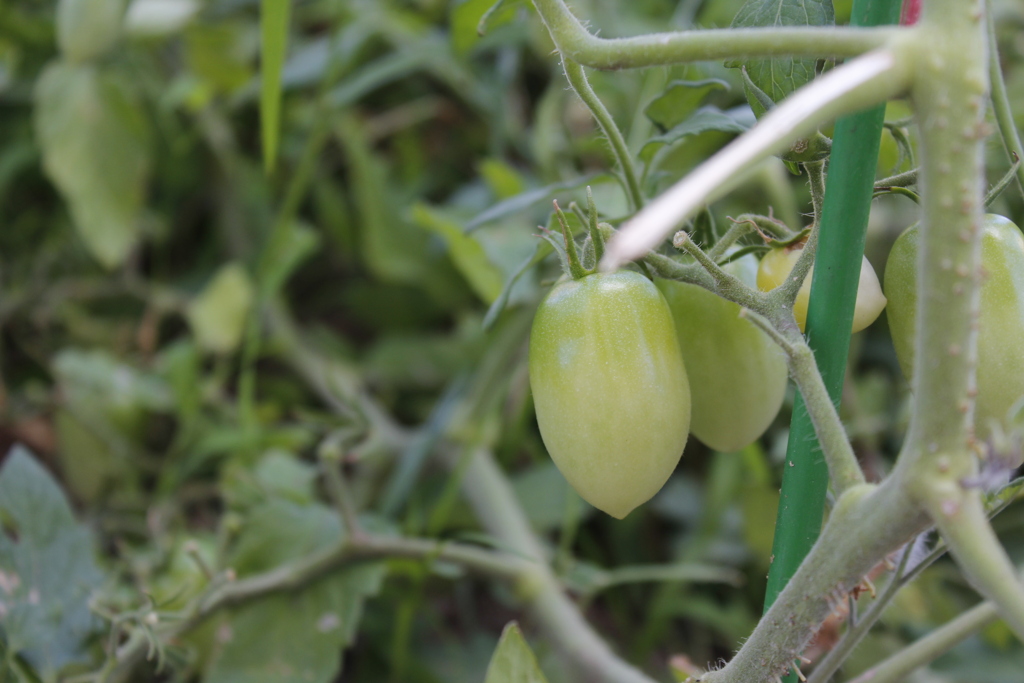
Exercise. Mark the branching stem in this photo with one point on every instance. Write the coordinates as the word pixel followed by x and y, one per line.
pixel 576 43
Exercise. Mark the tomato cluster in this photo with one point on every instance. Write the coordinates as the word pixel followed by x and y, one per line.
pixel 623 369
pixel 612 392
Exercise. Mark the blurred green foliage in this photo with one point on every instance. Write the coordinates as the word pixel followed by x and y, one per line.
pixel 182 335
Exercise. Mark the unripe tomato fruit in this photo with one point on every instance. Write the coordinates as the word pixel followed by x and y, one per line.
pixel 738 376
pixel 1000 369
pixel 777 264
pixel 610 388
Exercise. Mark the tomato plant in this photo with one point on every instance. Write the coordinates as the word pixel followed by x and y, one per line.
pixel 777 264
pixel 610 389
pixel 1000 368
pixel 737 374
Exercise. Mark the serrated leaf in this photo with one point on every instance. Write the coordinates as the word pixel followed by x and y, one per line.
pixel 513 660
pixel 94 142
pixel 298 635
pixel 779 76
pixel 217 315
pixel 679 100
pixel 468 255
pixel 49 573
pixel 274 18
pixel 703 120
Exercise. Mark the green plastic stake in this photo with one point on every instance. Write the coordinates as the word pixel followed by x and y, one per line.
pixel 829 317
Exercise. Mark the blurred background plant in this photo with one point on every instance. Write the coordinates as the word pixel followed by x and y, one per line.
pixel 229 342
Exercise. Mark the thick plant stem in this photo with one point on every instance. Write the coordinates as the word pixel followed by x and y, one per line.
pixel 861 82
pixel 868 523
pixel 924 651
pixel 578 80
pixel 576 43
pixel 1001 104
pixel 492 498
pixel 949 96
pixel 938 458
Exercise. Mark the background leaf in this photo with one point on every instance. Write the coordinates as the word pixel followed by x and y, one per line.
pixel 48 573
pixel 94 142
pixel 274 19
pixel 297 635
pixel 513 660
pixel 679 100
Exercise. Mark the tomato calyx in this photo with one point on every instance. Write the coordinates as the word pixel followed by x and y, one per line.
pixel 572 265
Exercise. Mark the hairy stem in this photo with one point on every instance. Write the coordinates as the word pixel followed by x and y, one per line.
pixel 868 523
pixel 578 80
pixel 582 47
pixel 843 469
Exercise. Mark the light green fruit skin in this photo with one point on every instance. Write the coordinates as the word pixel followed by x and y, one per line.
pixel 777 264
pixel 737 374
pixel 1000 370
pixel 610 388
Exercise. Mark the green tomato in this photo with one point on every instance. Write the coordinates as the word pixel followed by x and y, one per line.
pixel 610 388
pixel 1000 370
pixel 738 376
pixel 775 268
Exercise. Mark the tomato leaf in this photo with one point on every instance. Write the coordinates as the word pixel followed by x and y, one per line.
pixel 679 100
pixel 779 76
pixel 703 120
pixel 513 660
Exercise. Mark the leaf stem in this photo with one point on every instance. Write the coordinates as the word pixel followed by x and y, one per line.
pixel 578 80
